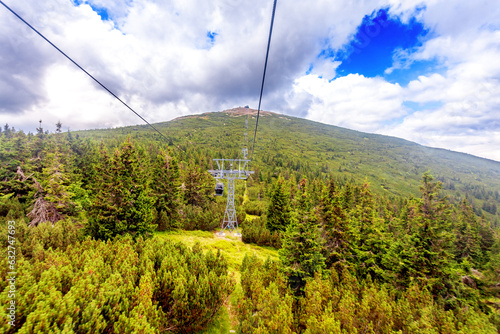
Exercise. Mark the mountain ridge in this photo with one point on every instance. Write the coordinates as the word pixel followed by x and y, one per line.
pixel 294 146
pixel 349 133
pixel 242 111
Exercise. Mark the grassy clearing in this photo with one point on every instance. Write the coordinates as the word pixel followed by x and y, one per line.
pixel 234 250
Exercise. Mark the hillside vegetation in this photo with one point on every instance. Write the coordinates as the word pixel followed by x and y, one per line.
pixel 295 146
pixel 112 231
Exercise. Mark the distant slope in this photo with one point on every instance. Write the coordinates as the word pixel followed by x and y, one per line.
pixel 297 146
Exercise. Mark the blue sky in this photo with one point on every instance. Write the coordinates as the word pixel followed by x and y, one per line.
pixel 377 45
pixel 378 37
pixel 426 71
pixel 101 11
pixel 375 51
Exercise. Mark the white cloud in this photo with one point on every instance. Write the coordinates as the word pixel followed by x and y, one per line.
pixel 156 55
pixel 325 68
pixel 352 101
pixel 465 40
pixel 160 50
pixel 468 90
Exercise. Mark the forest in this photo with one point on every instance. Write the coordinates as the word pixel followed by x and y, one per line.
pixel 357 250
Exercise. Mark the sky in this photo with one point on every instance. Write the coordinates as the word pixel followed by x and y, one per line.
pixel 426 71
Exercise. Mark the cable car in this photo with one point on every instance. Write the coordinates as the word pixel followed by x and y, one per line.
pixel 219 189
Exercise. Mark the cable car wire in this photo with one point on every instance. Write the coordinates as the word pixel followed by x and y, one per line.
pixel 81 68
pixel 263 77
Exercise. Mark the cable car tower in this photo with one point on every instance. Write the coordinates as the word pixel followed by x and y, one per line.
pixel 236 169
pixel 230 170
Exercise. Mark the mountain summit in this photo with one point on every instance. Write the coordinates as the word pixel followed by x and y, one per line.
pixel 291 145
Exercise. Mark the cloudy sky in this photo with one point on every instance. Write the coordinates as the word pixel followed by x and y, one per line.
pixel 427 71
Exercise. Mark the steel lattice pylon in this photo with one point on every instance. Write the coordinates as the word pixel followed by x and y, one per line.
pixel 230 170
pixel 230 221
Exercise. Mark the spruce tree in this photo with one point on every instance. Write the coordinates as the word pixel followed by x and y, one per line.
pixel 165 187
pixel 301 252
pixel 371 241
pixel 303 199
pixel 279 211
pixel 335 227
pixel 53 197
pixel 426 251
pixel 196 186
pixel 468 244
pixel 122 202
pixel 55 182
pixel 14 157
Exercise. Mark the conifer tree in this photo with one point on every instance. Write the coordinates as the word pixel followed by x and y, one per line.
pixel 53 198
pixel 14 156
pixel 265 305
pixel 335 228
pixel 279 211
pixel 467 245
pixel 165 187
pixel 55 182
pixel 370 240
pixel 303 198
pixel 426 251
pixel 7 131
pixel 122 203
pixel 301 252
pixel 196 186
pixel 487 239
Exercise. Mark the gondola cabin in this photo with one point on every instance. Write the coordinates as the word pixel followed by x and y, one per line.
pixel 219 189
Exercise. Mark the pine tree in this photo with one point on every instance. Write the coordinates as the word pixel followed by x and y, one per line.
pixel 335 228
pixel 165 187
pixel 426 251
pixel 265 304
pixel 279 211
pixel 467 245
pixel 301 252
pixel 122 202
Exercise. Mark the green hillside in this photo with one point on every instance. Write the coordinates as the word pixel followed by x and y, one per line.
pixel 301 147
pixel 114 231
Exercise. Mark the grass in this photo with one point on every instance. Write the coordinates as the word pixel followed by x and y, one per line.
pixel 225 321
pixel 234 250
pixel 221 324
pixel 231 247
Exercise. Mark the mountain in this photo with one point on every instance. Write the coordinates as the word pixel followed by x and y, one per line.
pixel 75 204
pixel 299 147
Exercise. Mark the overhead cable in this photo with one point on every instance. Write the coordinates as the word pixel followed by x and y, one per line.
pixel 263 78
pixel 81 68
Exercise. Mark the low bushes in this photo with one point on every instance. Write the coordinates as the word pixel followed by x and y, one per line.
pixel 255 231
pixel 118 286
pixel 343 304
pixel 255 208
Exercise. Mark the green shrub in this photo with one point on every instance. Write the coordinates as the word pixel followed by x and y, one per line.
pixel 198 218
pixel 255 208
pixel 11 208
pixel 118 286
pixel 255 231
pixel 265 305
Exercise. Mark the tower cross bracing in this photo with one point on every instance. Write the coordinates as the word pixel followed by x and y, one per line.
pixel 230 170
